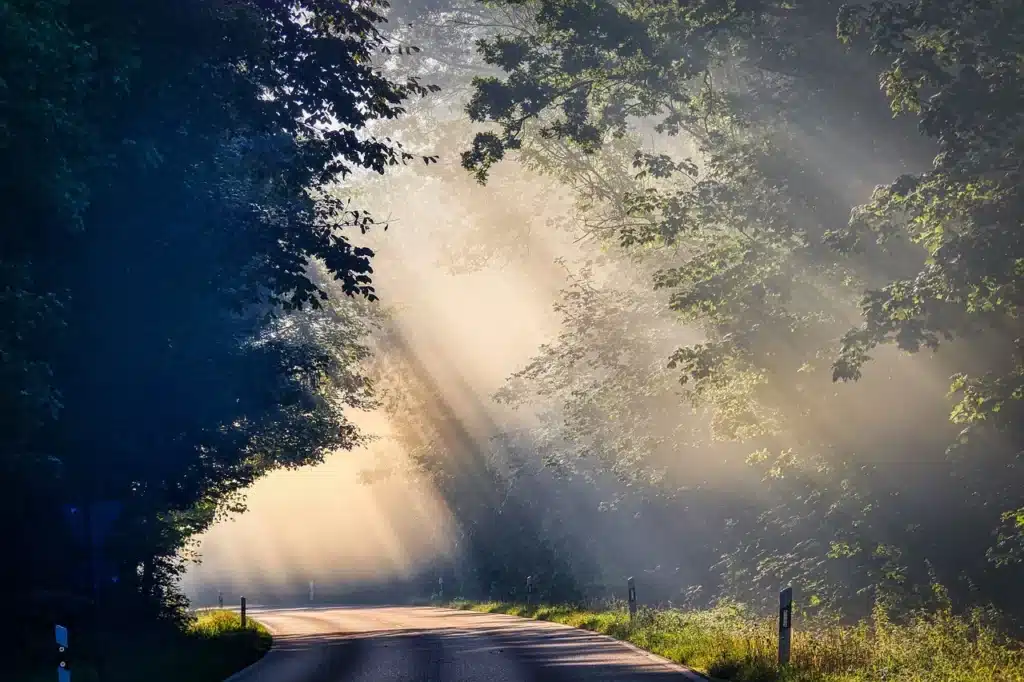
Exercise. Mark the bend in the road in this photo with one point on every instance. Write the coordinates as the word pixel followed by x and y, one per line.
pixel 421 644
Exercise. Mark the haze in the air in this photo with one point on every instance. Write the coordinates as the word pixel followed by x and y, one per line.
pixel 527 274
pixel 472 303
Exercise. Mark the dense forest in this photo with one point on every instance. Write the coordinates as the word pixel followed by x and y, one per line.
pixel 793 340
pixel 790 338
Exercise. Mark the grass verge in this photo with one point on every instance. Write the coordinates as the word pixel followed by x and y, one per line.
pixel 728 643
pixel 211 648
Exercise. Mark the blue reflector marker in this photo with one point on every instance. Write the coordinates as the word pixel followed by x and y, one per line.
pixel 60 633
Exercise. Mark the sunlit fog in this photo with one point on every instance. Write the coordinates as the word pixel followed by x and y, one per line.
pixel 525 355
pixel 438 306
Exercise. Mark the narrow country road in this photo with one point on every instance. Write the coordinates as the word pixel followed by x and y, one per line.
pixel 403 644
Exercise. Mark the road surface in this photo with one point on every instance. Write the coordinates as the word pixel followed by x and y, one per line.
pixel 409 644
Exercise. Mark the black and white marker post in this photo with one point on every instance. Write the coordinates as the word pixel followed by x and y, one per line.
pixel 785 624
pixel 63 667
pixel 243 613
pixel 529 590
pixel 631 597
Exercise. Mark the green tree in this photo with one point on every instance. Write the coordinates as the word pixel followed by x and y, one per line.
pixel 166 341
pixel 955 67
pixel 738 197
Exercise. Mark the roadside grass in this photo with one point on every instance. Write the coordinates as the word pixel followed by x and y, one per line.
pixel 728 643
pixel 212 647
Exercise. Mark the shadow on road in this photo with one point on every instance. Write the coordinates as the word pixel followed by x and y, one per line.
pixel 326 657
pixel 546 655
pixel 461 648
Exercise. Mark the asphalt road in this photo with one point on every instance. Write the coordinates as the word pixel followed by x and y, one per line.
pixel 408 644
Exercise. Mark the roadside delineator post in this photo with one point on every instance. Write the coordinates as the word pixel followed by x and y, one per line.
pixel 63 671
pixel 785 624
pixel 220 599
pixel 529 590
pixel 243 613
pixel 440 587
pixel 631 597
pixel 312 589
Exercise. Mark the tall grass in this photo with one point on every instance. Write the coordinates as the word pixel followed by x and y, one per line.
pixel 219 623
pixel 730 643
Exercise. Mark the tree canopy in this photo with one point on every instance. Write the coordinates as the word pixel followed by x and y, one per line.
pixel 790 271
pixel 783 203
pixel 167 341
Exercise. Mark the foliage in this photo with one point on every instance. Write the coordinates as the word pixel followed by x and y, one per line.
pixel 955 67
pixel 734 216
pixel 166 341
pixel 606 414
